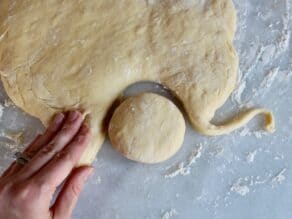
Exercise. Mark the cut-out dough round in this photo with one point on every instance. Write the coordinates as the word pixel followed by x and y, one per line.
pixel 56 55
pixel 147 128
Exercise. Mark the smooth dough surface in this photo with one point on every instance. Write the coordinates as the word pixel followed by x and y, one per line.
pixel 56 55
pixel 147 128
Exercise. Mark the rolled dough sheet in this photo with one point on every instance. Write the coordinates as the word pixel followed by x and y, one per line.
pixel 57 55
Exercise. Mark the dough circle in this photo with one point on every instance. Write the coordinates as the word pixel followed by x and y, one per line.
pixel 147 128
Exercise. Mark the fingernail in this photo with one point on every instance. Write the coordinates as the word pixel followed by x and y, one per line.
pixel 57 121
pixel 59 118
pixel 80 138
pixel 73 115
pixel 84 129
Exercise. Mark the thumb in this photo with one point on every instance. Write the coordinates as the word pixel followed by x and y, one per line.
pixel 70 192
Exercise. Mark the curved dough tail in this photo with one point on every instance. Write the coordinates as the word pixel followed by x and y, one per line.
pixel 237 122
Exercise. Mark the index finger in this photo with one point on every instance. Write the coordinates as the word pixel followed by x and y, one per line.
pixel 56 170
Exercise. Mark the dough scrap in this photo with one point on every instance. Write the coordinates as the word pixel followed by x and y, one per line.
pixel 57 55
pixel 147 128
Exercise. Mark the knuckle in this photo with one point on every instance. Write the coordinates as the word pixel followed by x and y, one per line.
pixel 68 157
pixel 67 129
pixel 58 156
pixel 49 149
pixel 42 186
pixel 79 140
pixel 5 188
pixel 65 157
pixel 22 193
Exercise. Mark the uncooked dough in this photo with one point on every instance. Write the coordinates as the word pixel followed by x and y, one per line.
pixel 56 55
pixel 147 128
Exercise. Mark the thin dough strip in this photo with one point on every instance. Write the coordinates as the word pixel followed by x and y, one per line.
pixel 238 122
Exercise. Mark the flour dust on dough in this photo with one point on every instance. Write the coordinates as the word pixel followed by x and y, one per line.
pixel 57 55
pixel 147 128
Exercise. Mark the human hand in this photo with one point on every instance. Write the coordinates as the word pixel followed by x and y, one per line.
pixel 26 191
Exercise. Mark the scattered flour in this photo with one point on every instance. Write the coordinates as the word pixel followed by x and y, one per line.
pixel 16 137
pixel 236 96
pixel 185 168
pixel 270 78
pixel 279 178
pixel 257 133
pixel 240 187
pixel 244 132
pixel 279 157
pixel 284 39
pixel 10 147
pixel 1 111
pixel 96 180
pixel 217 151
pixel 169 214
pixel 263 56
pixel 250 156
pixel 260 133
pixel 8 103
pixel 12 142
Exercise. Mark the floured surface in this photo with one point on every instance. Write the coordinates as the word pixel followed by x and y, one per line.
pixel 206 191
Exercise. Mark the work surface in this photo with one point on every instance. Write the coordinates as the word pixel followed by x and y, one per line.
pixel 243 175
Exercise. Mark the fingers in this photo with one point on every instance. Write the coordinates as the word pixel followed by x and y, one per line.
pixel 15 167
pixel 62 138
pixel 37 143
pixel 60 167
pixel 69 194
pixel 44 139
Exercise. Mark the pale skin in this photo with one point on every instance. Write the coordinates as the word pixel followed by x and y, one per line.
pixel 26 190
